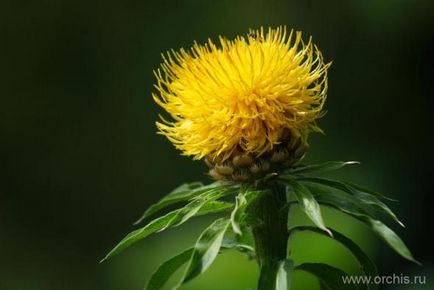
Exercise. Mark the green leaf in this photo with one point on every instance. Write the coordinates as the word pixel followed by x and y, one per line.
pixel 336 199
pixel 162 223
pixel 369 201
pixel 229 243
pixel 214 207
pixel 363 189
pixel 184 193
pixel 284 275
pixel 308 204
pixel 392 239
pixel 139 234
pixel 167 269
pixel 323 167
pixel 348 206
pixel 242 201
pixel 330 278
pixel 193 207
pixel 206 249
pixel 365 263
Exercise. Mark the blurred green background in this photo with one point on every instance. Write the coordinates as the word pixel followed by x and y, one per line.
pixel 80 159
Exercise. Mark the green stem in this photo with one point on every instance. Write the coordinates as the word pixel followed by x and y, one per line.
pixel 269 214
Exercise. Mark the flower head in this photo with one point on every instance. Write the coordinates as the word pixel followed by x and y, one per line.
pixel 243 95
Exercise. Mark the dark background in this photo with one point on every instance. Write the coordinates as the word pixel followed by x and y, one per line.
pixel 80 160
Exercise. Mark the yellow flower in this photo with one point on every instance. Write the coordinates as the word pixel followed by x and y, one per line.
pixel 241 95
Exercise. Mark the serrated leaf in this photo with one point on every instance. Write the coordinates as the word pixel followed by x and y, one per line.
pixel 206 249
pixel 308 204
pixel 167 269
pixel 330 278
pixel 161 223
pixel 366 199
pixel 284 275
pixel 348 206
pixel 323 167
pixel 365 263
pixel 184 193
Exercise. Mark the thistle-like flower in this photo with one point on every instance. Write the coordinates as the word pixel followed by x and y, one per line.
pixel 247 107
pixel 255 98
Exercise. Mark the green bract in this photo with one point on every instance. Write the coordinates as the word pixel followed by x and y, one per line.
pixel 301 187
